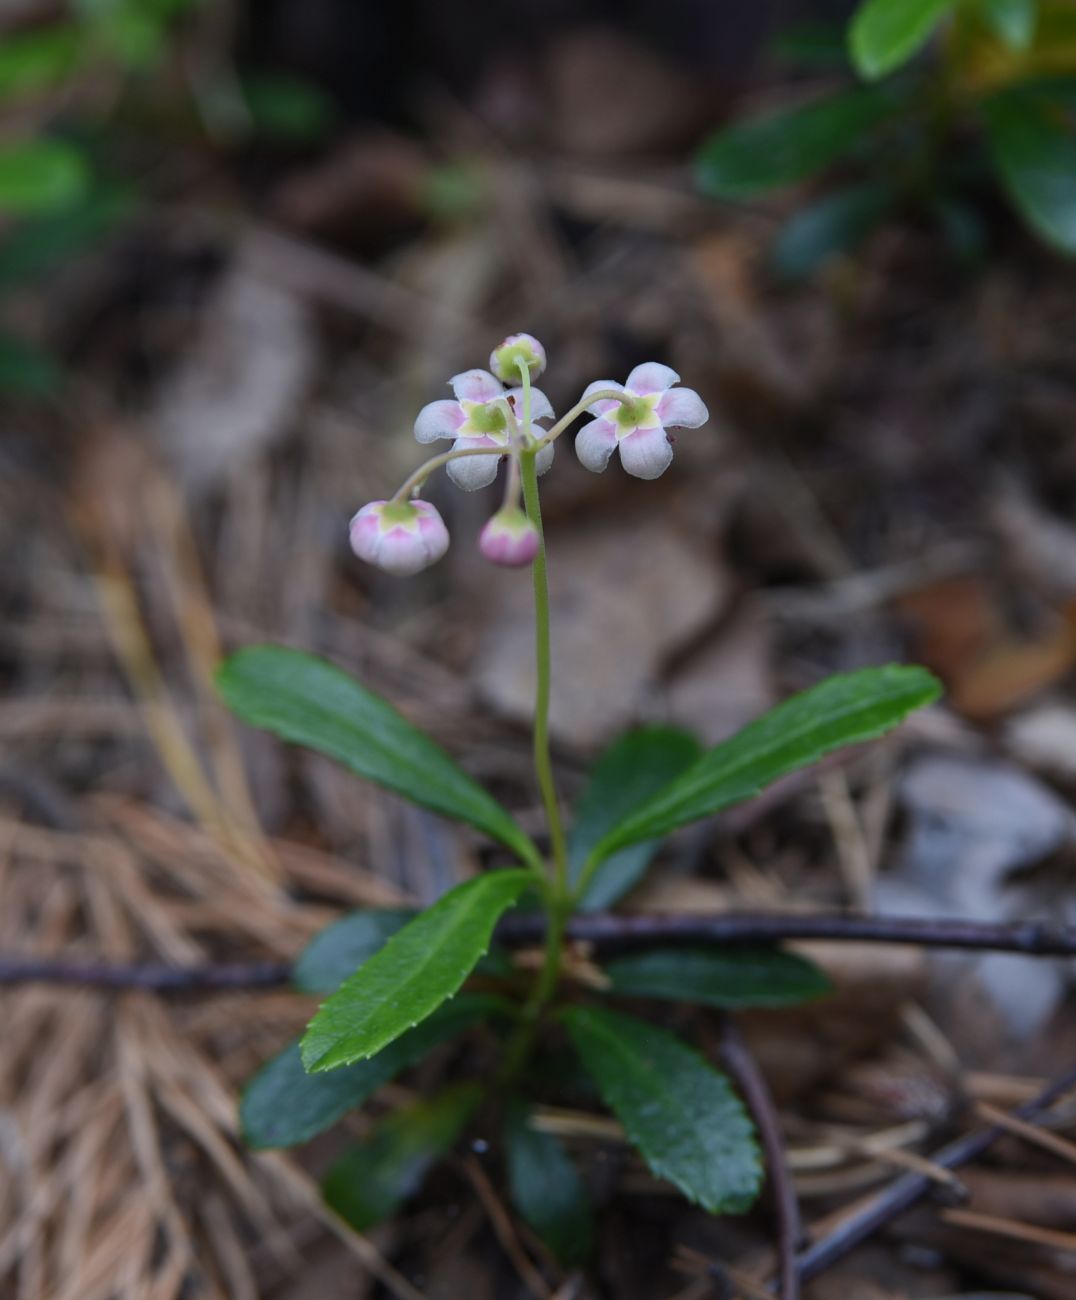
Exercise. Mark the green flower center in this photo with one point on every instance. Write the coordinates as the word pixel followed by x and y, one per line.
pixel 487 419
pixel 633 411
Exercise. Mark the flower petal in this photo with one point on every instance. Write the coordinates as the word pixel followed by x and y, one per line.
pixel 594 444
pixel 646 453
pixel 682 408
pixel 476 386
pixel 540 405
pixel 651 377
pixel 438 420
pixel 544 458
pixel 604 404
pixel 473 472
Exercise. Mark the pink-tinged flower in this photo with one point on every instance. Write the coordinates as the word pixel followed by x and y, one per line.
pixel 401 537
pixel 505 358
pixel 636 423
pixel 476 419
pixel 509 538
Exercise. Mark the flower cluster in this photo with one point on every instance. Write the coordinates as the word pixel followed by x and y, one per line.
pixel 495 416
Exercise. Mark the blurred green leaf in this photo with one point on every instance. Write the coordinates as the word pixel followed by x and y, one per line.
pixel 413 974
pixel 312 702
pixel 27 370
pixel 41 175
pixel 886 33
pixel 1012 21
pixel 781 148
pixel 633 768
pixel 286 108
pixel 369 1183
pixel 837 223
pixel 1032 143
pixel 337 952
pixel 37 60
pixel 283 1106
pixel 719 977
pixel 813 45
pixel 680 1113
pixel 38 245
pixel 843 710
pixel 547 1189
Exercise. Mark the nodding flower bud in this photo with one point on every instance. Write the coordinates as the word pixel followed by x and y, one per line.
pixel 509 538
pixel 505 358
pixel 401 537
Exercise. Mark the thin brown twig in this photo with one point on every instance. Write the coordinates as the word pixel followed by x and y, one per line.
pixel 744 1070
pixel 905 1192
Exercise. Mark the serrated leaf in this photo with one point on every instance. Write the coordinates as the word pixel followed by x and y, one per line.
pixel 547 1189
pixel 1032 142
pixel 719 977
pixel 843 710
pixel 312 702
pixel 884 34
pixel 631 770
pixel 283 1105
pixel 418 968
pixel 369 1183
pixel 782 148
pixel 1012 21
pixel 679 1111
pixel 40 176
pixel 837 223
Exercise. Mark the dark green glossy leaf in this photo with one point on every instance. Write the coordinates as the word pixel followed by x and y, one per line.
pixel 369 1183
pixel 682 1114
pixel 1012 21
pixel 1033 147
pixel 838 223
pixel 418 968
pixel 311 702
pixel 843 710
pixel 40 176
pixel 286 108
pixel 719 977
pixel 283 1105
pixel 631 770
pixel 886 33
pixel 781 148
pixel 338 951
pixel 547 1189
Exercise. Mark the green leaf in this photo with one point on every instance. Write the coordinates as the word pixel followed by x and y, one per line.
pixel 37 60
pixel 26 370
pixel 283 1106
pixel 1011 21
pixel 547 1189
pixel 40 176
pixel 886 33
pixel 38 245
pixel 683 1116
pixel 369 1183
pixel 312 702
pixel 1032 143
pixel 338 951
pixel 843 710
pixel 416 970
pixel 719 977
pixel 632 769
pixel 781 148
pixel 286 108
pixel 818 44
pixel 836 224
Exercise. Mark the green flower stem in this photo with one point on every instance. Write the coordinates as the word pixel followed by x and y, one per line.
pixel 416 480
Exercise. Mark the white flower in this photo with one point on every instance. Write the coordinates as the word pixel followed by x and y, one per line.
pixel 477 419
pixel 635 424
pixel 401 537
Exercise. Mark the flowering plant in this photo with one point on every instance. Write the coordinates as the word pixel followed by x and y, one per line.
pixel 397 985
